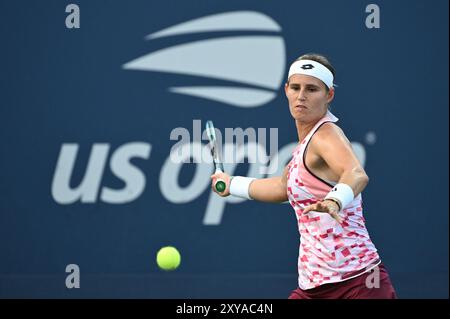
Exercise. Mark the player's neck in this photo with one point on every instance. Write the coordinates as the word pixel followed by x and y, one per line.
pixel 303 129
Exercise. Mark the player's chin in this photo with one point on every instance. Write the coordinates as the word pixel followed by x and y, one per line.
pixel 296 116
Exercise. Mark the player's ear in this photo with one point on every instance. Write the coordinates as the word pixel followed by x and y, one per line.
pixel 330 95
pixel 286 87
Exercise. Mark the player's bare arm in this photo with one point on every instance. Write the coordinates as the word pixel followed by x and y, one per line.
pixel 333 147
pixel 331 144
pixel 271 190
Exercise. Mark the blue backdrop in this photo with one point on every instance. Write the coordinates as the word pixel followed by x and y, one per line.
pixel 107 91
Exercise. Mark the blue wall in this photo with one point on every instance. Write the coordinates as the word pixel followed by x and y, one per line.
pixel 63 86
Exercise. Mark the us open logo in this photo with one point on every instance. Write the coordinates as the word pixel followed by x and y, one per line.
pixel 252 64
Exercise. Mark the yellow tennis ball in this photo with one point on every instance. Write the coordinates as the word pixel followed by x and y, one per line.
pixel 168 258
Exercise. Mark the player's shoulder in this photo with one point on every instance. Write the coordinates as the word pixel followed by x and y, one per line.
pixel 329 130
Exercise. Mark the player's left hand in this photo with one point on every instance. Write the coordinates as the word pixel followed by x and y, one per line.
pixel 326 206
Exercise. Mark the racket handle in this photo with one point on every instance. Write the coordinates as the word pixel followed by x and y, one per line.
pixel 220 186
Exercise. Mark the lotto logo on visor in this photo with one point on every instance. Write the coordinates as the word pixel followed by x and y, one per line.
pixel 307 66
pixel 312 68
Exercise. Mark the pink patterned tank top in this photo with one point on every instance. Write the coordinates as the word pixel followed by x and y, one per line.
pixel 329 252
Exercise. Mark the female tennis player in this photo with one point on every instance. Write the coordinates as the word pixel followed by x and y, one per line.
pixel 323 183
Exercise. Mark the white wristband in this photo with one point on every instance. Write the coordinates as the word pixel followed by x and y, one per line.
pixel 240 185
pixel 341 193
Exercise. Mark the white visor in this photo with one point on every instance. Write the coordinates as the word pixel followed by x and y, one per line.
pixel 312 68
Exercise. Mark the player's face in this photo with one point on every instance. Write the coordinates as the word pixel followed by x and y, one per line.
pixel 308 97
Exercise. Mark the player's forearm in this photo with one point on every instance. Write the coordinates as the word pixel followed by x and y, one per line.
pixel 356 178
pixel 269 190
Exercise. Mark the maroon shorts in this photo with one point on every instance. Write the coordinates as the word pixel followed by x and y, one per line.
pixel 355 288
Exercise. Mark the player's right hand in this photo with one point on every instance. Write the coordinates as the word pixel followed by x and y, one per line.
pixel 226 178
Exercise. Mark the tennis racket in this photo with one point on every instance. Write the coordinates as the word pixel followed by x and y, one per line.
pixel 220 184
